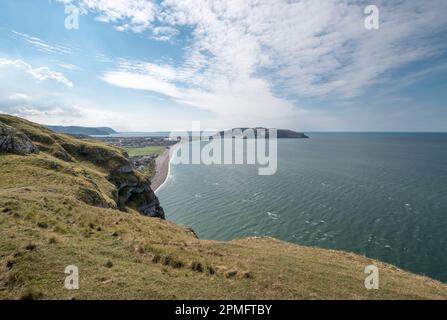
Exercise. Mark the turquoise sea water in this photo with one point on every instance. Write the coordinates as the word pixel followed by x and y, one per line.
pixel 382 195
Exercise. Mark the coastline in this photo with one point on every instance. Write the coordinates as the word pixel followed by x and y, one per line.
pixel 162 169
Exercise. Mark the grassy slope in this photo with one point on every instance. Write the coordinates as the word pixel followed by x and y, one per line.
pixel 44 226
pixel 146 151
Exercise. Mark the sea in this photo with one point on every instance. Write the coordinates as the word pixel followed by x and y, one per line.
pixel 382 195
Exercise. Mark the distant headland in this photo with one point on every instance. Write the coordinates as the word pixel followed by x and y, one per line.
pixel 88 131
pixel 281 133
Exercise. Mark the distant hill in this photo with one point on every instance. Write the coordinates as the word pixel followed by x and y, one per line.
pixel 281 133
pixel 89 131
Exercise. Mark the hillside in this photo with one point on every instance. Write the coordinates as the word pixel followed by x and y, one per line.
pixel 87 131
pixel 65 201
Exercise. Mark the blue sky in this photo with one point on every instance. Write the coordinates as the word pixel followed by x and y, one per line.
pixel 144 65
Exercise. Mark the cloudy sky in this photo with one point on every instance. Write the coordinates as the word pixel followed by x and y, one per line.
pixel 154 65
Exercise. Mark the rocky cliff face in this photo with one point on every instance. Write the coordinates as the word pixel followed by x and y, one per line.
pixel 14 141
pixel 134 191
pixel 131 189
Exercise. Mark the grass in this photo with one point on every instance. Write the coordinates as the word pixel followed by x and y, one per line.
pixel 46 224
pixel 146 151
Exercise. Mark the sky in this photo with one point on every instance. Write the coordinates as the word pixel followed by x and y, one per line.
pixel 158 65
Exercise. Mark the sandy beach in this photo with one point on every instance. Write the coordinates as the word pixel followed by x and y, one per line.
pixel 161 169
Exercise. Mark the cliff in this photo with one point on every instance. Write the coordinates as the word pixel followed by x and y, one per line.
pixel 66 202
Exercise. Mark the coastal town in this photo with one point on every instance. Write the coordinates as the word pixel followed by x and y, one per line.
pixel 137 142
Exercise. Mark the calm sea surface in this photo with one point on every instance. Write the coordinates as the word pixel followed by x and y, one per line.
pixel 382 195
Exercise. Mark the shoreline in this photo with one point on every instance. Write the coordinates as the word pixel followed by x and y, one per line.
pixel 162 169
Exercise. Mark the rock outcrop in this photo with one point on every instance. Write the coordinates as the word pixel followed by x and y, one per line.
pixel 134 191
pixel 14 141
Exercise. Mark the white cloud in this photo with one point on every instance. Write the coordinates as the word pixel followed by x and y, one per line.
pixel 306 48
pixel 54 109
pixel 40 73
pixel 253 94
pixel 141 82
pixel 134 15
pixel 42 45
pixel 247 55
pixel 164 33
pixel 19 97
pixel 46 113
pixel 50 101
pixel 39 108
pixel 69 66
